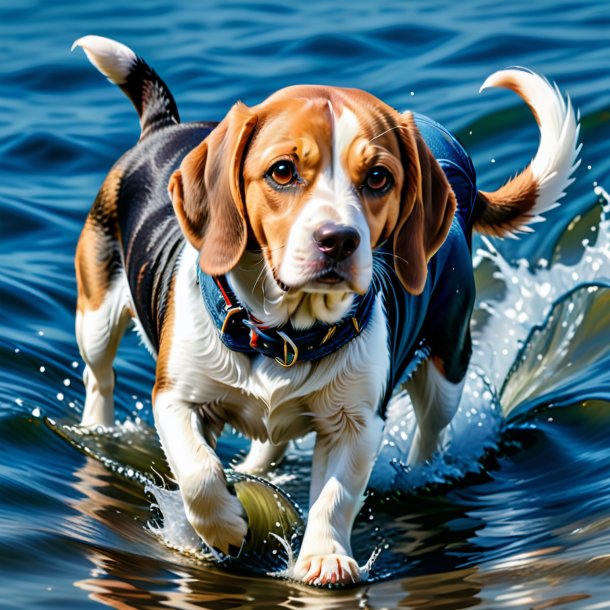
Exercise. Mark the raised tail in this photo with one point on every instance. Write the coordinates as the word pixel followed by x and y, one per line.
pixel 540 186
pixel 142 85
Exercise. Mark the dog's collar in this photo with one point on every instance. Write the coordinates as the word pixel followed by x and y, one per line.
pixel 242 332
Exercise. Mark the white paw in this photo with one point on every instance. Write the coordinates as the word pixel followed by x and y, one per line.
pixel 222 525
pixel 327 570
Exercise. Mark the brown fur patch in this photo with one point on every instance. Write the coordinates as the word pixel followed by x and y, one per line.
pixel 163 379
pixel 506 209
pixel 509 82
pixel 295 130
pixel 97 254
pixel 206 192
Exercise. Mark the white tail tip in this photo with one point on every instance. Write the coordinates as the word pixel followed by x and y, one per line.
pixel 557 156
pixel 113 59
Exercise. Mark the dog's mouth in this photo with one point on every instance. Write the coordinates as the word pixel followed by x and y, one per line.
pixel 322 281
pixel 330 277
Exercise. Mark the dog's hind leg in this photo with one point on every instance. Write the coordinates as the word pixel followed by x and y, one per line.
pixel 103 314
pixel 435 400
pixel 99 332
pixel 436 386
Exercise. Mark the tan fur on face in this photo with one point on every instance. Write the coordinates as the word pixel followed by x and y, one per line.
pixel 365 153
pixel 297 130
pixel 297 124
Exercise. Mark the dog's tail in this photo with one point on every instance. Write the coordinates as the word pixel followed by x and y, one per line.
pixel 142 85
pixel 539 187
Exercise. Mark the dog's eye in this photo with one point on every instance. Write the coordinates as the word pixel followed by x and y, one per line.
pixel 283 173
pixel 378 179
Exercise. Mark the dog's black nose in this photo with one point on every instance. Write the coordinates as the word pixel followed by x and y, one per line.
pixel 336 241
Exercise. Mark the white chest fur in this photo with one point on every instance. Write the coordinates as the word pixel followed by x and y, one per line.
pixel 255 394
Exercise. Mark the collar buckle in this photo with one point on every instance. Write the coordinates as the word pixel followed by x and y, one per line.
pixel 289 359
pixel 230 313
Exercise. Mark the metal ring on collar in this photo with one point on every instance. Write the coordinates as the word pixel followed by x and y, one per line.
pixel 295 351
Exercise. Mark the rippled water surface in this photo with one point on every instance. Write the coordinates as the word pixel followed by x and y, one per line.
pixel 516 514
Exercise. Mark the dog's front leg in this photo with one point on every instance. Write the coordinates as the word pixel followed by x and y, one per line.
pixel 215 514
pixel 346 446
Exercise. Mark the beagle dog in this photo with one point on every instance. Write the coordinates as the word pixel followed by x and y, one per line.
pixel 284 267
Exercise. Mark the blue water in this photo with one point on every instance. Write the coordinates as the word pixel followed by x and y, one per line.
pixel 518 519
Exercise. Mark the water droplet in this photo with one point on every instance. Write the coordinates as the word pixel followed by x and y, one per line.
pixel 74 364
pixel 66 382
pixel 41 333
pixel 60 396
pixel 36 412
pixel 42 369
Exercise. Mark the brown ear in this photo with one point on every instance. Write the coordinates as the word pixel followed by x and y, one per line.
pixel 207 193
pixel 426 212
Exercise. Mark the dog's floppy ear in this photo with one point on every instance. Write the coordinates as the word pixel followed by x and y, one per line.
pixel 207 193
pixel 426 211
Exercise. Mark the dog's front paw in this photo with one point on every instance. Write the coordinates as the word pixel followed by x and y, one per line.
pixel 327 570
pixel 222 525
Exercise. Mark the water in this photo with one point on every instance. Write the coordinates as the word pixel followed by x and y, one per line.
pixel 516 514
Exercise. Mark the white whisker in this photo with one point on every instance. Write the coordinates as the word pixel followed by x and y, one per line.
pixel 386 131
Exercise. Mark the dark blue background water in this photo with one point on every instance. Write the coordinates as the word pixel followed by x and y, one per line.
pixel 532 529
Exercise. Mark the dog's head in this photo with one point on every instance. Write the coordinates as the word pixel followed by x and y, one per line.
pixel 315 178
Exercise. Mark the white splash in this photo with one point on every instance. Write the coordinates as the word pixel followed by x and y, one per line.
pixel 530 294
pixel 176 532
pixel 528 297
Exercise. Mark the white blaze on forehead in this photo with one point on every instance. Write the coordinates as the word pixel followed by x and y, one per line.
pixel 334 199
pixel 345 131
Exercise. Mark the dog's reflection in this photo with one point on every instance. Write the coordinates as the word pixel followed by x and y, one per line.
pixel 132 570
